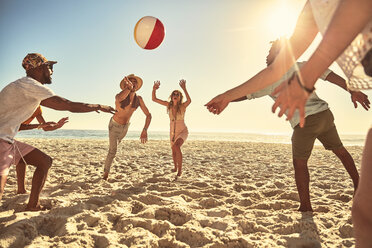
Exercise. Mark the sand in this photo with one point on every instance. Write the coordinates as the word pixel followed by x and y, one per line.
pixel 231 194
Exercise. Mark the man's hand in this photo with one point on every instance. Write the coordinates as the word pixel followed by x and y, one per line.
pixel 143 136
pixel 357 96
pixel 128 84
pixel 290 97
pixel 217 104
pixel 107 109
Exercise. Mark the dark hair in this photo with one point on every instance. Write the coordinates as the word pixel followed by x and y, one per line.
pixel 276 45
pixel 126 102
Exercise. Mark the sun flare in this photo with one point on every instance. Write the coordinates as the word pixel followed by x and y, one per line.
pixel 282 19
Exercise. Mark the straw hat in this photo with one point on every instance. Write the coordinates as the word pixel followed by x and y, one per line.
pixel 138 79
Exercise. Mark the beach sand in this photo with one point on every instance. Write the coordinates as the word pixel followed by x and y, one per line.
pixel 231 194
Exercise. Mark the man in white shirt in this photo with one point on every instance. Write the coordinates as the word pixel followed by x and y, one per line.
pixel 18 101
pixel 319 125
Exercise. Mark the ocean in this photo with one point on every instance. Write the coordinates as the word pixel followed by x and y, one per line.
pixel 347 139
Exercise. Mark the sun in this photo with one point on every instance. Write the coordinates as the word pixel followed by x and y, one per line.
pixel 282 19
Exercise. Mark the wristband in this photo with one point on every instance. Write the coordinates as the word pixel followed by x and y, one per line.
pixel 300 83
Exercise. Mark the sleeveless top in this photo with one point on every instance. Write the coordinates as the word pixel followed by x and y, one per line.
pixel 180 115
pixel 350 59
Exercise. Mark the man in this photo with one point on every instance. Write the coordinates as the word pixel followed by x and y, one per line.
pixel 319 125
pixel 126 103
pixel 18 101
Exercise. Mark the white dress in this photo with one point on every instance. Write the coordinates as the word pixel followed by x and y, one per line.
pixel 349 60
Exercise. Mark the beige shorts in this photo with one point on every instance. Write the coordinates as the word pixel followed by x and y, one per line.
pixel 319 126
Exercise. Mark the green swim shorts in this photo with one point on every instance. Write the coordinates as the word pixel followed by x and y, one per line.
pixel 319 126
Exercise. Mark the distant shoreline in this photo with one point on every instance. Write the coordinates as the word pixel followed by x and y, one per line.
pixel 347 139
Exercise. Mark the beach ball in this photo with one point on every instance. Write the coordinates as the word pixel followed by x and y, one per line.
pixel 149 32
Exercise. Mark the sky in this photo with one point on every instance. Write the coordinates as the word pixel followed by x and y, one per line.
pixel 214 45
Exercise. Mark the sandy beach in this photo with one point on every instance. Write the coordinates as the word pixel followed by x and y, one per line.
pixel 231 194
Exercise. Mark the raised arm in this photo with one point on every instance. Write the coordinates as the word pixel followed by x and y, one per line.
pixel 60 103
pixel 304 34
pixel 128 86
pixel 356 96
pixel 183 86
pixel 349 19
pixel 154 98
pixel 147 122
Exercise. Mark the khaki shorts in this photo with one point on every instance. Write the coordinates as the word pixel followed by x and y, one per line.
pixel 319 126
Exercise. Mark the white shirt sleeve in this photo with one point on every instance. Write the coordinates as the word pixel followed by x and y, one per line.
pixel 36 89
pixel 264 92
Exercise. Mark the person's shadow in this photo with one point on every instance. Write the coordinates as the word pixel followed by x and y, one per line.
pixel 309 234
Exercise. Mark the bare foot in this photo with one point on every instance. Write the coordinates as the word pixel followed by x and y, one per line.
pixel 22 191
pixel 174 170
pixel 105 176
pixel 37 208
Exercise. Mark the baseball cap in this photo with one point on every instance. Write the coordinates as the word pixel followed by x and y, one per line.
pixel 33 60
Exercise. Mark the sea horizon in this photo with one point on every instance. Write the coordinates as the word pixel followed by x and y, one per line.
pixel 281 138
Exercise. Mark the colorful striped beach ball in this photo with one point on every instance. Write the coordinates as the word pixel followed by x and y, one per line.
pixel 149 32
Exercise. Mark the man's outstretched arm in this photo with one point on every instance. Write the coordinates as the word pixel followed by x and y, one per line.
pixel 356 96
pixel 60 103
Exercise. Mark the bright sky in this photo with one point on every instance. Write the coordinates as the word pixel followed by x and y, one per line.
pixel 213 44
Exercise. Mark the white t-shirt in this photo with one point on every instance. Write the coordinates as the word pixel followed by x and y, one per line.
pixel 18 101
pixel 313 105
pixel 349 60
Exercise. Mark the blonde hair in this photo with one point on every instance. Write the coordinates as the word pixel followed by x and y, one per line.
pixel 179 103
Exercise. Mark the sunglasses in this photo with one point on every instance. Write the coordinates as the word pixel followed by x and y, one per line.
pixel 175 94
pixel 50 66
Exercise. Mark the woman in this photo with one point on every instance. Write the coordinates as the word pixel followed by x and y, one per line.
pixel 176 109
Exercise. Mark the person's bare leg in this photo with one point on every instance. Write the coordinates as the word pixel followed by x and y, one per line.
pixel 177 148
pixel 21 175
pixel 174 159
pixel 302 178
pixel 2 185
pixel 42 162
pixel 362 205
pixel 349 165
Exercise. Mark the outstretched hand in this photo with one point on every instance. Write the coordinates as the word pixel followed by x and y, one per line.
pixel 156 85
pixel 217 104
pixel 107 109
pixel 357 96
pixel 50 126
pixel 290 97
